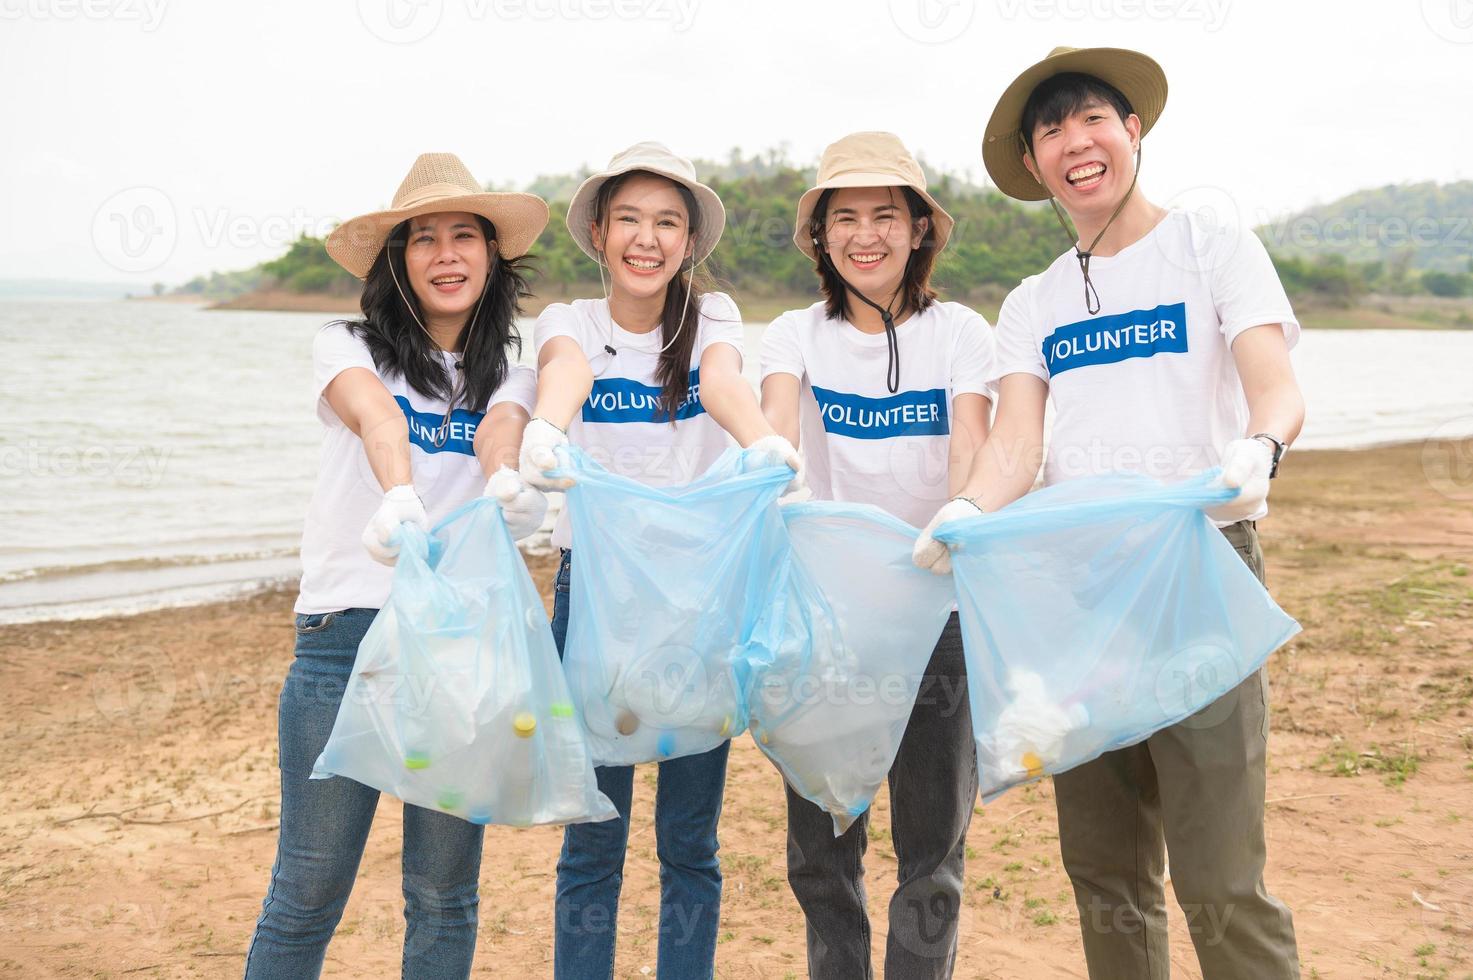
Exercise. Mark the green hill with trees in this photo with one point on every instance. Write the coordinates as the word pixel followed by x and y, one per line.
pixel 1423 227
pixel 1400 241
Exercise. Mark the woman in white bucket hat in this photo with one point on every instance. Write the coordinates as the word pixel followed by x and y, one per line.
pixel 647 380
pixel 421 402
pixel 884 388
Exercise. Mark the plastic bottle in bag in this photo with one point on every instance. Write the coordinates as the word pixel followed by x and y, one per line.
pixel 518 768
pixel 1030 731
pixel 563 742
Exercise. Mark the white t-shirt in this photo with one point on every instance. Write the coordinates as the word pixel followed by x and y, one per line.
pixel 337 572
pixel 621 425
pixel 1147 385
pixel 860 442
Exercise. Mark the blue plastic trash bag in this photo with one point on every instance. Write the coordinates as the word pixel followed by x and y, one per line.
pixel 1097 612
pixel 456 701
pixel 668 583
pixel 843 653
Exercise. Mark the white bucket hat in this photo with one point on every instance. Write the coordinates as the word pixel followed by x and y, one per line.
pixel 657 159
pixel 867 160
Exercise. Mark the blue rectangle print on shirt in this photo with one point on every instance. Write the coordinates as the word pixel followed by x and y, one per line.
pixel 424 429
pixel 910 413
pixel 1119 337
pixel 623 400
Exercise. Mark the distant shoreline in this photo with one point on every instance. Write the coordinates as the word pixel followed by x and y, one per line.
pixel 1371 313
pixel 754 309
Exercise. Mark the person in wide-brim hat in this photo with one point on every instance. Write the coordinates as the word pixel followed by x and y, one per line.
pixel 867 160
pixel 1136 76
pixel 439 182
pixel 883 386
pixel 419 400
pixel 646 378
pixel 901 285
pixel 654 158
pixel 1135 87
pixel 1160 342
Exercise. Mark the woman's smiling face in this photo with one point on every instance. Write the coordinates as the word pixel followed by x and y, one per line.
pixel 869 235
pixel 645 235
pixel 448 260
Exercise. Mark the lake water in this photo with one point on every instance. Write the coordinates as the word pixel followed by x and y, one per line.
pixel 158 454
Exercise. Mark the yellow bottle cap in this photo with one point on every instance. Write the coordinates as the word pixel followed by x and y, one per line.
pixel 524 724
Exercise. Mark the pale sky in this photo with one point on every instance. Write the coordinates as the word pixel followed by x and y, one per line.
pixel 159 139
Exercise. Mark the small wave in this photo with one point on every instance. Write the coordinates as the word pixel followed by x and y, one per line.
pixel 141 564
pixel 175 598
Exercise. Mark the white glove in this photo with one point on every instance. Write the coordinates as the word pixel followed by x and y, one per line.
pixel 774 450
pixel 1245 467
pixel 539 440
pixel 522 507
pixel 932 554
pixel 401 506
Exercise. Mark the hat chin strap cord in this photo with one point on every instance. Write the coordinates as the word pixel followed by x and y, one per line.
pixel 1091 295
pixel 892 368
pixel 607 288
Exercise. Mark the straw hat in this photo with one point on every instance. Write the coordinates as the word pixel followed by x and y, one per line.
pixel 867 160
pixel 439 182
pixel 657 159
pixel 1138 78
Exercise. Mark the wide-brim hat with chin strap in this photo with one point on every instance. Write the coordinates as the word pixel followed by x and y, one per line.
pixel 867 160
pixel 1138 77
pixel 436 183
pixel 657 159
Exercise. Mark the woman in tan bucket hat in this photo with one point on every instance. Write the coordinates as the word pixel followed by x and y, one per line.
pixel 1162 341
pixel 884 388
pixel 421 401
pixel 646 380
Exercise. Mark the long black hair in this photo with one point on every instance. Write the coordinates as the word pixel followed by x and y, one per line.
pixel 673 371
pixel 401 349
pixel 916 294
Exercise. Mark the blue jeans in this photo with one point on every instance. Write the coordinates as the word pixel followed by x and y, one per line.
pixel 324 824
pixel 590 870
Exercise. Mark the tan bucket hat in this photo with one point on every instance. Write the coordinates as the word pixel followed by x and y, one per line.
pixel 439 182
pixel 867 160
pixel 1137 76
pixel 657 159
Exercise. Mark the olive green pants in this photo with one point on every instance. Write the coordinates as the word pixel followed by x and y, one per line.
pixel 1194 790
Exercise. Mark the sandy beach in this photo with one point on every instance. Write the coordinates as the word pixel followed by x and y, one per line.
pixel 138 805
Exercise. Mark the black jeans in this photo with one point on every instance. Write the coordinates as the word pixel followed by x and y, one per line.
pixel 933 789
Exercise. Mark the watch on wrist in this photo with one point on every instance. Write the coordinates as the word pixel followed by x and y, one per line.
pixel 1278 451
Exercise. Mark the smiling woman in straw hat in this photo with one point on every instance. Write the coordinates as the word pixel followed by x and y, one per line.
pixel 888 388
pixel 420 403
pixel 647 380
pixel 1162 340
